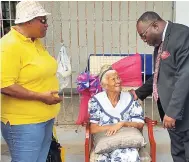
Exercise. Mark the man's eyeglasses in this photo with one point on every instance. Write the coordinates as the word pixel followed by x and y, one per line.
pixel 43 21
pixel 143 35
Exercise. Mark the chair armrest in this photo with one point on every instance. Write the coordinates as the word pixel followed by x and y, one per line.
pixel 150 123
pixel 87 143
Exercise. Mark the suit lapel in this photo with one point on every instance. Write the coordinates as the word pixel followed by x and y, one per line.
pixel 167 34
pixel 168 31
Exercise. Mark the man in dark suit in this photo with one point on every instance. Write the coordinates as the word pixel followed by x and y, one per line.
pixel 170 81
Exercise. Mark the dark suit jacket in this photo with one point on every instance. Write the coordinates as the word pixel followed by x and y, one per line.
pixel 173 80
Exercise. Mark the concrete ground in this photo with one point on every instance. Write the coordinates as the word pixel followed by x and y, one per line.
pixel 72 139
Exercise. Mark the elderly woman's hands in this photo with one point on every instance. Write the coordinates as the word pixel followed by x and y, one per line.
pixel 114 128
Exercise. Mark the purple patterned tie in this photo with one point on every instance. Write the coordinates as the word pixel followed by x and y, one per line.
pixel 155 90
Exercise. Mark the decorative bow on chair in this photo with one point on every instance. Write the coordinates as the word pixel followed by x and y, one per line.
pixel 87 85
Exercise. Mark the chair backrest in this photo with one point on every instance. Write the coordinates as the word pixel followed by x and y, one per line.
pixel 100 59
pixel 95 62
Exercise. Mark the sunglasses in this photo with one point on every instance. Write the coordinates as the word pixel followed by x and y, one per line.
pixel 43 21
pixel 143 35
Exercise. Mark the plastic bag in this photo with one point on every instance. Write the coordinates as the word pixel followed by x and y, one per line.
pixel 64 68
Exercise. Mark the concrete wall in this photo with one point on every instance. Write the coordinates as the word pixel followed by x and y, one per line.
pixel 98 27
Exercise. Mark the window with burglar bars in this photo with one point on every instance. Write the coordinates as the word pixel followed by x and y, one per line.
pixel 7 15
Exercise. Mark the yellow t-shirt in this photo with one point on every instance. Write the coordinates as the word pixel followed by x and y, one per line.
pixel 27 63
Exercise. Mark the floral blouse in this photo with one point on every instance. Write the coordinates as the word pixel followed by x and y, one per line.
pixel 103 113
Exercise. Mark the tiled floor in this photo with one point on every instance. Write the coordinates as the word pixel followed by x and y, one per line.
pixel 72 138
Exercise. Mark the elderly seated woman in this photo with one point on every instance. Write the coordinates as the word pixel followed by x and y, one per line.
pixel 111 110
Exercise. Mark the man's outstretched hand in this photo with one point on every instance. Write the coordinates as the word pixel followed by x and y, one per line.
pixel 134 94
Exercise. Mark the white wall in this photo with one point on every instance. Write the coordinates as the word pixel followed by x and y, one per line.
pixel 98 27
pixel 182 12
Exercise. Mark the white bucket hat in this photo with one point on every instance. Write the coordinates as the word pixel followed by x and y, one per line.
pixel 28 10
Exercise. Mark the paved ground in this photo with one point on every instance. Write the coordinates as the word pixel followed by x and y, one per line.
pixel 72 138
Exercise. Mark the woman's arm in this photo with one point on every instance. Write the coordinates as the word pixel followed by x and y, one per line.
pixel 95 128
pixel 112 129
pixel 138 125
pixel 20 92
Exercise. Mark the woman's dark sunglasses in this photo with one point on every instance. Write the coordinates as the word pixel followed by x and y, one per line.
pixel 43 21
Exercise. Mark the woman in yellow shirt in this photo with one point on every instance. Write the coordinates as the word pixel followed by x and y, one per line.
pixel 29 86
